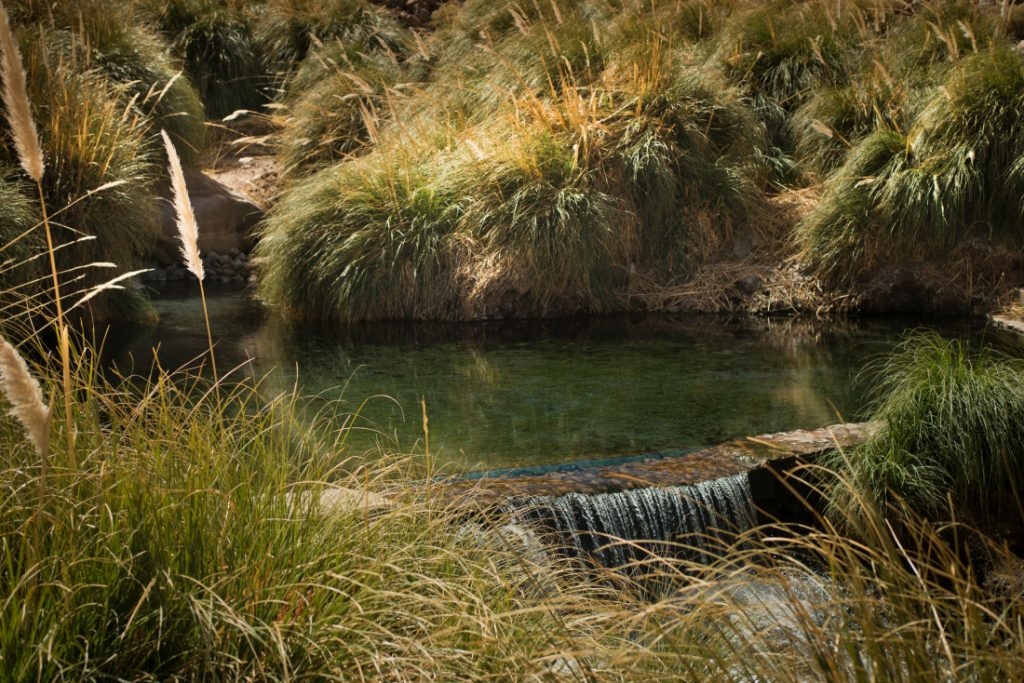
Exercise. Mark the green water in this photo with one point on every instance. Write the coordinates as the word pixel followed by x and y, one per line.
pixel 503 395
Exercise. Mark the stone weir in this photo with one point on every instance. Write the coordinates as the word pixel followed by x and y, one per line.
pixel 766 461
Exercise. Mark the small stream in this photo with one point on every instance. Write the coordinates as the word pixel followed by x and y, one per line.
pixel 526 394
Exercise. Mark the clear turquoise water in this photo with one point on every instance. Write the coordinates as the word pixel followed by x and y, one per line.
pixel 504 395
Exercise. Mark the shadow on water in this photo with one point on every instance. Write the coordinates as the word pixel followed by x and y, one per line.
pixel 528 394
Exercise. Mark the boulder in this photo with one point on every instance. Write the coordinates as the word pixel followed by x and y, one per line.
pixel 226 219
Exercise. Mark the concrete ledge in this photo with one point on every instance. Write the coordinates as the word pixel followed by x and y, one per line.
pixel 776 452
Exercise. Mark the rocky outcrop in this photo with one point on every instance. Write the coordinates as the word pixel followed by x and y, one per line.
pixel 226 219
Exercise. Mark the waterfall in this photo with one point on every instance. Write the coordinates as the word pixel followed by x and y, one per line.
pixel 615 529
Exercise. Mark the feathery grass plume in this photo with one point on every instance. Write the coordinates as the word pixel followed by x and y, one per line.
pixel 189 230
pixel 26 397
pixel 19 115
pixel 187 227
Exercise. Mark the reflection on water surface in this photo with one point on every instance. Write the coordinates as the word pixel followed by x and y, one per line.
pixel 522 394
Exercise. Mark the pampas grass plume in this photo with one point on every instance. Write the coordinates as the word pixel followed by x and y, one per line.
pixel 187 227
pixel 19 115
pixel 25 396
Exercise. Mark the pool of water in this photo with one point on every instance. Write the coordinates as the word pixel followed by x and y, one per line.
pixel 501 395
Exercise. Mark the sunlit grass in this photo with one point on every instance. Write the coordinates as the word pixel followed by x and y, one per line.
pixel 950 439
pixel 923 192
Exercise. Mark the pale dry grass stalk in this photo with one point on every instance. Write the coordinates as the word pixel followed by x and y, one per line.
pixel 26 398
pixel 27 407
pixel 19 114
pixel 188 228
pixel 30 153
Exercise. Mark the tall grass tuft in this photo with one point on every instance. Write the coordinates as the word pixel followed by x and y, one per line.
pixel 809 604
pixel 367 239
pixel 341 101
pixel 102 175
pixel 951 435
pixel 287 30
pixel 780 53
pixel 219 53
pixel 950 179
pixel 840 233
pixel 22 272
pixel 158 86
pixel 87 38
pixel 545 223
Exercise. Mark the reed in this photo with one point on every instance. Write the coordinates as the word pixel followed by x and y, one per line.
pixel 30 153
pixel 188 230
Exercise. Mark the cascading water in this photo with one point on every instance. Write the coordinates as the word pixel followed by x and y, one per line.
pixel 692 522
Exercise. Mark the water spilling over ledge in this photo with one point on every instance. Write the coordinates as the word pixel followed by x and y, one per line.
pixel 685 505
pixel 777 451
pixel 694 522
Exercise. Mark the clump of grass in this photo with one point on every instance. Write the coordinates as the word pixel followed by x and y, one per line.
pixel 219 54
pixel 782 50
pixel 950 434
pixel 950 179
pixel 163 93
pixel 839 232
pixel 688 147
pixel 286 30
pixel 100 174
pixel 640 25
pixel 780 53
pixel 834 120
pixel 969 137
pixel 102 83
pixel 368 239
pixel 340 109
pixel 87 37
pixel 21 270
pixel 538 211
pixel 904 57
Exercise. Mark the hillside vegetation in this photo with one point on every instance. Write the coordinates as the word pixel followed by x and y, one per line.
pixel 590 156
pixel 555 157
